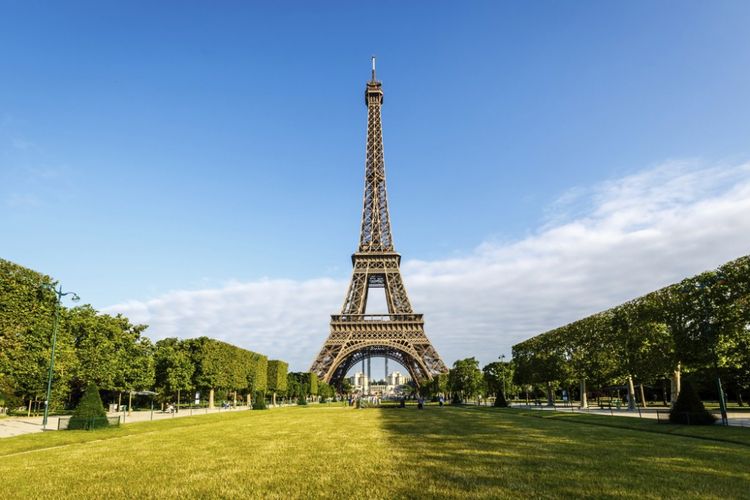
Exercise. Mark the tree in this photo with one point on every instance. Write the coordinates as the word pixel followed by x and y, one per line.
pixel 173 367
pixel 346 386
pixel 89 414
pixel 293 386
pixel 495 380
pixel 277 377
pixel 465 378
pixel 689 409
pixel 27 309
pixel 325 391
pixel 313 381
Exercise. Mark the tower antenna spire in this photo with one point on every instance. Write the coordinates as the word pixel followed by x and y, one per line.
pixel 373 68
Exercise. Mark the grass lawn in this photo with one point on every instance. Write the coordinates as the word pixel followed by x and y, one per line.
pixel 342 452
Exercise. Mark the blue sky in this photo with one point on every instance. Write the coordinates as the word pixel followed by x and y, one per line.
pixel 150 150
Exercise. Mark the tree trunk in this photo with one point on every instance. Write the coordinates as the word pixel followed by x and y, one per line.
pixel 584 397
pixel 643 396
pixel 211 398
pixel 248 400
pixel 274 398
pixel 130 402
pixel 550 396
pixel 30 402
pixel 631 394
pixel 119 400
pixel 177 410
pixel 235 399
pixel 676 382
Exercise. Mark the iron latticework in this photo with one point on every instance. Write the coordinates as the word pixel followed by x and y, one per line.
pixel 356 335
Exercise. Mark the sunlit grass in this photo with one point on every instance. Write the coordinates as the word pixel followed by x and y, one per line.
pixel 383 453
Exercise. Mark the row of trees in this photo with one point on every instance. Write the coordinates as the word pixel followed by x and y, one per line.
pixel 91 347
pixel 207 365
pixel 465 381
pixel 304 386
pixel 110 352
pixel 699 326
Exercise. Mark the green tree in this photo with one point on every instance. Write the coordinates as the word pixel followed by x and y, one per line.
pixel 89 414
pixel 173 367
pixel 465 378
pixel 26 314
pixel 277 377
pixel 496 379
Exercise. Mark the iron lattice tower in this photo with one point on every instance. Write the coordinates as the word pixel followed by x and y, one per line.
pixel 355 335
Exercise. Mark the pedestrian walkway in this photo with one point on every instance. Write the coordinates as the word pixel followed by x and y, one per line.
pixel 16 426
pixel 735 419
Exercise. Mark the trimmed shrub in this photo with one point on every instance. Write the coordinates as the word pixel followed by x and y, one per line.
pixel 259 401
pixel 500 401
pixel 89 414
pixel 302 401
pixel 689 409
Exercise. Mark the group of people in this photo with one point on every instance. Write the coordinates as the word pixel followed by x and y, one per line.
pixel 360 401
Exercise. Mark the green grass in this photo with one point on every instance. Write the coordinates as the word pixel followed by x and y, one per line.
pixel 334 451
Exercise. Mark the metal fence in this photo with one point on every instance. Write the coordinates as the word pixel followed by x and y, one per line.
pixel 86 423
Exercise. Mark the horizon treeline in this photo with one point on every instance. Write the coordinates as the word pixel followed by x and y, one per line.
pixel 699 327
pixel 106 350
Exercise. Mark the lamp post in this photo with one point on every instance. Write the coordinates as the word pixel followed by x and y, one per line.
pixel 502 360
pixel 59 294
pixel 714 334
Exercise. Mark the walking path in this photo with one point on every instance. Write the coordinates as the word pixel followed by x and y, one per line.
pixel 15 426
pixel 739 419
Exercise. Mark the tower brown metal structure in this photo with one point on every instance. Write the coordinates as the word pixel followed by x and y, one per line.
pixel 355 335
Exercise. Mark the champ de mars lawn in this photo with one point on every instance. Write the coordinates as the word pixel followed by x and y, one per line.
pixel 334 451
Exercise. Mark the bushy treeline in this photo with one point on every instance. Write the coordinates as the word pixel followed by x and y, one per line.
pixel 700 326
pixel 305 386
pixel 91 347
pixel 466 382
pixel 206 365
pixel 107 351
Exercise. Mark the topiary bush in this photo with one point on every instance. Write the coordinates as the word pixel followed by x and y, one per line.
pixel 90 413
pixel 259 402
pixel 689 409
pixel 302 401
pixel 500 401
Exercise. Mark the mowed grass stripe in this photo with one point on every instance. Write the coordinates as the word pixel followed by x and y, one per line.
pixel 380 453
pixel 508 454
pixel 29 443
pixel 722 434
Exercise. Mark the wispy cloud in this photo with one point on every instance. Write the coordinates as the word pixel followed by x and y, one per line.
pixel 626 237
pixel 28 187
pixel 22 200
pixel 21 144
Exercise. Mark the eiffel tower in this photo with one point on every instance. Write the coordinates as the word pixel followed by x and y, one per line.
pixel 355 335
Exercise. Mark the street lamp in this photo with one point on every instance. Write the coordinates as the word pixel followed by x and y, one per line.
pixel 502 360
pixel 59 295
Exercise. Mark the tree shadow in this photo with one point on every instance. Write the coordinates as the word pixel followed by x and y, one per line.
pixel 486 452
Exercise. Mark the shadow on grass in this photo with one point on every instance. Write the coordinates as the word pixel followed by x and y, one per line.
pixel 483 452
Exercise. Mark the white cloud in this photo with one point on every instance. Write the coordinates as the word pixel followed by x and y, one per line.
pixel 601 245
pixel 22 200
